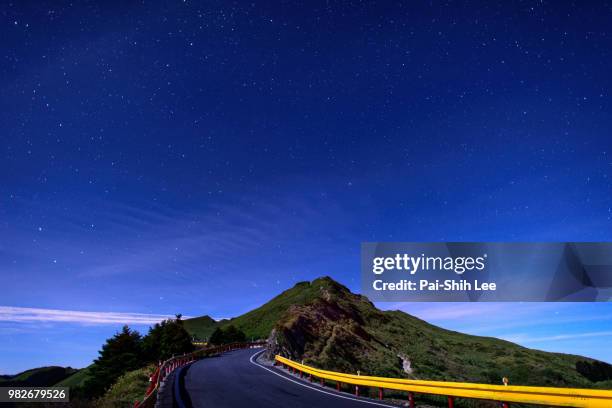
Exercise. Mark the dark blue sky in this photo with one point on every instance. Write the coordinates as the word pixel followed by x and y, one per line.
pixel 199 157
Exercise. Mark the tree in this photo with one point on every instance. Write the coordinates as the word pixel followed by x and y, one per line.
pixel 151 343
pixel 217 337
pixel 234 335
pixel 229 334
pixel 595 370
pixel 175 339
pixel 120 353
pixel 166 339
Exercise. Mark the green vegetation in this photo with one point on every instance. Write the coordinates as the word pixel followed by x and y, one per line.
pixel 130 387
pixel 342 331
pixel 327 326
pixel 121 353
pixel 226 335
pixel 257 323
pixel 166 339
pixel 595 370
pixel 128 352
pixel 77 379
pixel 37 377
pixel 603 385
pixel 201 327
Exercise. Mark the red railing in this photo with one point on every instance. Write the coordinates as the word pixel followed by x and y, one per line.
pixel 168 366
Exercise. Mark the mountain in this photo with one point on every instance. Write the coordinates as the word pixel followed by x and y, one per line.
pixel 200 327
pixel 37 377
pixel 258 323
pixel 77 379
pixel 327 326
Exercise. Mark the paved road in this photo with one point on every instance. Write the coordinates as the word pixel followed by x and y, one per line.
pixel 235 380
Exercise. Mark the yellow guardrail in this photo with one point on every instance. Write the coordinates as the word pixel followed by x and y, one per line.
pixel 548 396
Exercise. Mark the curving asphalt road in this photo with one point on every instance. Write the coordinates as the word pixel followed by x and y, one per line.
pixel 236 379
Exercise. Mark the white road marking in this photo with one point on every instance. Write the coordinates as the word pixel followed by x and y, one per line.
pixel 315 388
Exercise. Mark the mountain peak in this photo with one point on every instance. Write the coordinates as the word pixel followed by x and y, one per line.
pixel 328 282
pixel 322 282
pixel 323 323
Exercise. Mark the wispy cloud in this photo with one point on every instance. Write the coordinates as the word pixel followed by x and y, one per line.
pixel 447 311
pixel 491 318
pixel 523 338
pixel 489 315
pixel 115 240
pixel 26 315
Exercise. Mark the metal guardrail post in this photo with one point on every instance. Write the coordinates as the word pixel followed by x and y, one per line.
pixel 411 399
pixel 451 402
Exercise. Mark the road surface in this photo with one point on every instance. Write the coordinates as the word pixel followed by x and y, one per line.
pixel 236 379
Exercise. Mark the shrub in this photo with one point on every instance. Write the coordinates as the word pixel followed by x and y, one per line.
pixel 229 334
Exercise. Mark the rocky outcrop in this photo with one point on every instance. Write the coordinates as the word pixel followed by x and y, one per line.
pixel 342 331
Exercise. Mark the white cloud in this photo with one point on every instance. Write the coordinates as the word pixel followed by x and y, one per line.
pixel 27 314
pixel 481 312
pixel 523 338
pixel 448 311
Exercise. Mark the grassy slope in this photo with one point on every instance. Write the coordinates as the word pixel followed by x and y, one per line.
pixel 341 330
pixel 259 322
pixel 128 388
pixel 325 324
pixel 437 353
pixel 75 380
pixel 42 376
pixel 200 327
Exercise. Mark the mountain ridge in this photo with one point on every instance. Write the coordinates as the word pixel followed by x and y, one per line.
pixel 326 325
pixel 37 377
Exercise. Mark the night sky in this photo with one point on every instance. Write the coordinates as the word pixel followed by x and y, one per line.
pixel 200 157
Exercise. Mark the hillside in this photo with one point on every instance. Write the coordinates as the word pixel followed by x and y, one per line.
pixel 128 388
pixel 327 326
pixel 259 322
pixel 37 377
pixel 75 380
pixel 200 327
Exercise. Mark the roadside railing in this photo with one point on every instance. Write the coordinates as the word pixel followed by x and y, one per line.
pixel 168 366
pixel 548 396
